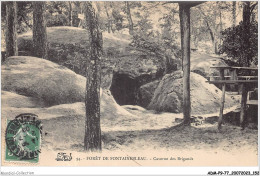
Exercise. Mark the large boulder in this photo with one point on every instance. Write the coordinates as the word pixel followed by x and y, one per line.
pixel 69 37
pixel 42 79
pixel 11 99
pixel 146 92
pixel 205 97
pixel 69 46
pixel 123 68
pixel 200 64
pixel 31 84
pixel 133 71
pixel 14 104
pixel 139 64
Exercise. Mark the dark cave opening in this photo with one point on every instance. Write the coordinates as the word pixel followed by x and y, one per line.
pixel 124 88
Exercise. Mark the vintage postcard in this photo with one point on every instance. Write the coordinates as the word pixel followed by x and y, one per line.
pixel 129 83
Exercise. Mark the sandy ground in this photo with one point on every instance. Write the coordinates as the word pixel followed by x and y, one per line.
pixel 151 135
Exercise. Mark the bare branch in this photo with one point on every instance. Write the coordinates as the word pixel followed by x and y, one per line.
pixel 155 5
pixel 167 2
pixel 26 22
pixel 252 7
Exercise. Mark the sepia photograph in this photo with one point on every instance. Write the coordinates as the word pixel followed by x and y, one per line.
pixel 130 83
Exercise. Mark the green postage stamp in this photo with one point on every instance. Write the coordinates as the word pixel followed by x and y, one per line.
pixel 23 138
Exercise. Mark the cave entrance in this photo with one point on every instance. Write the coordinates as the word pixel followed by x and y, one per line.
pixel 124 89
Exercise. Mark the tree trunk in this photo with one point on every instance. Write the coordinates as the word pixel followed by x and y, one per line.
pixel 40 47
pixel 245 59
pixel 11 29
pixel 195 41
pixel 184 13
pixel 243 105
pixel 92 141
pixel 70 13
pixel 246 34
pixel 129 18
pixel 216 47
pixel 222 103
pixel 182 33
pixel 214 43
pixel 169 65
pixel 221 29
pixel 108 18
pixel 234 9
pixel 220 20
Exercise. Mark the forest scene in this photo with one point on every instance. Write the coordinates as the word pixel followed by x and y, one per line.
pixel 134 77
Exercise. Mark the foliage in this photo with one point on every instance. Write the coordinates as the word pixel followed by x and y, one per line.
pixel 233 44
pixel 56 20
pixel 56 14
pixel 207 21
pixel 149 39
pixel 24 18
pixel 146 43
pixel 118 19
pixel 144 27
pixel 169 34
pixel 56 7
pixel 161 48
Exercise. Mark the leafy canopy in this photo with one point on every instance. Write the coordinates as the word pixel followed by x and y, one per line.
pixel 233 43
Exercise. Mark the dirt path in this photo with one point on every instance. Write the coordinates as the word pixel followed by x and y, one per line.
pixel 203 137
pixel 202 145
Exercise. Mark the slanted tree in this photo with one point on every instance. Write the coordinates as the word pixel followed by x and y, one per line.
pixel 212 28
pixel 209 19
pixel 92 141
pixel 11 29
pixel 40 46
